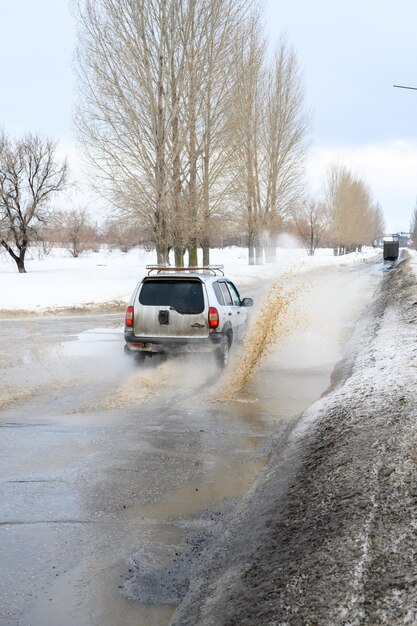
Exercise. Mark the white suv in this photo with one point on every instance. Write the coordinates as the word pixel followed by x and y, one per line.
pixel 177 310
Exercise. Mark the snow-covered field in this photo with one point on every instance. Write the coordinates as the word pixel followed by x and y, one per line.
pixel 61 281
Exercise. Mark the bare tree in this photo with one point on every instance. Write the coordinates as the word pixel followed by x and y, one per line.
pixel 119 233
pixel 154 87
pixel 77 233
pixel 30 175
pixel 375 224
pixel 216 99
pixel 207 98
pixel 246 119
pixel 355 219
pixel 270 134
pixel 124 112
pixel 312 221
pixel 284 139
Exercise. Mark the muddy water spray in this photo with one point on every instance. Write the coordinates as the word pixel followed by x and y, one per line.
pixel 140 386
pixel 9 396
pixel 271 323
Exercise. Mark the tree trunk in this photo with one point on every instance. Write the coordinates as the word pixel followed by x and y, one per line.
pixel 251 238
pixel 250 208
pixel 179 256
pixel 259 253
pixel 192 255
pixel 178 222
pixel 162 255
pixel 251 249
pixel 311 245
pixel 205 243
pixel 270 251
pixel 20 262
pixel 161 226
pixel 206 253
pixel 192 192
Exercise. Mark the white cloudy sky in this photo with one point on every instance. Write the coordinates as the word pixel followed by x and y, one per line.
pixel 351 54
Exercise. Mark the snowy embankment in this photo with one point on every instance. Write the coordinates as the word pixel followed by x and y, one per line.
pixel 328 533
pixel 104 280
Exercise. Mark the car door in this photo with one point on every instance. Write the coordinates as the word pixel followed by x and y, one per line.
pixel 230 308
pixel 240 311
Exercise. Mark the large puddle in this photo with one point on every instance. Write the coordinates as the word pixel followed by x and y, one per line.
pixel 176 453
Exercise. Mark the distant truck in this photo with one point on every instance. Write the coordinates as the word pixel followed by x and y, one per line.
pixel 391 249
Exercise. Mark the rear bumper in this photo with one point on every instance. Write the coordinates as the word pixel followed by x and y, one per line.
pixel 172 344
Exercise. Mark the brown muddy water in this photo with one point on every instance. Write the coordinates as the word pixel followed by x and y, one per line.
pixel 271 323
pixel 106 467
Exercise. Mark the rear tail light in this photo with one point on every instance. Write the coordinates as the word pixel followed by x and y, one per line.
pixel 129 317
pixel 213 317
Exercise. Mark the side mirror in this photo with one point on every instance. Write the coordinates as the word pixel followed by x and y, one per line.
pixel 246 302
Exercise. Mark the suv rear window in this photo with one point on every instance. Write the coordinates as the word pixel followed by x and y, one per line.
pixel 185 296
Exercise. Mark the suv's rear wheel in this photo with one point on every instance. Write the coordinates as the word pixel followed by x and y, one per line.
pixel 222 353
pixel 139 357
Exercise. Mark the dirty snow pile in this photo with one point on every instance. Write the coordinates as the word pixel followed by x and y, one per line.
pixel 328 533
pixel 104 280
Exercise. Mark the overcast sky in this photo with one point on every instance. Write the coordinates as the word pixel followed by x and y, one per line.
pixel 351 53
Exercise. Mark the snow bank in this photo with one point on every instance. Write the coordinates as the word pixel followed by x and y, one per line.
pixel 60 280
pixel 327 534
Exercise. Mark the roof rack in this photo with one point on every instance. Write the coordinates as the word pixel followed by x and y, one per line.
pixel 168 268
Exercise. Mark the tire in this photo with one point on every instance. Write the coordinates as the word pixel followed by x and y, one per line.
pixel 139 357
pixel 222 354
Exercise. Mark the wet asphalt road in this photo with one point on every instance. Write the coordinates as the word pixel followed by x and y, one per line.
pixel 88 475
pixel 101 461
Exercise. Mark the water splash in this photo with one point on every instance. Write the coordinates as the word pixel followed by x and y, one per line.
pixel 10 396
pixel 271 323
pixel 140 386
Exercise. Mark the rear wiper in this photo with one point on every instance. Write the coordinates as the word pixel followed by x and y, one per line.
pixel 182 311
